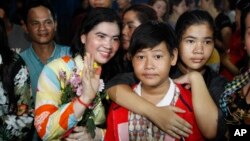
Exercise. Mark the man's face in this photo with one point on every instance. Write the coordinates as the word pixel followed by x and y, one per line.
pixel 41 26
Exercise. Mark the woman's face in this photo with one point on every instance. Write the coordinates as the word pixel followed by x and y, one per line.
pixel 102 42
pixel 160 7
pixel 122 4
pixel 247 34
pixel 196 46
pixel 181 8
pixel 130 23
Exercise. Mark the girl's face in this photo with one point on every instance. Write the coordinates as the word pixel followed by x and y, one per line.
pixel 247 34
pixel 196 46
pixel 152 65
pixel 102 42
pixel 160 7
pixel 130 23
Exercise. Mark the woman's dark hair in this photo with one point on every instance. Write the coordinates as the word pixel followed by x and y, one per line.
pixel 144 12
pixel 36 3
pixel 151 34
pixel 189 18
pixel 7 65
pixel 93 18
pixel 244 12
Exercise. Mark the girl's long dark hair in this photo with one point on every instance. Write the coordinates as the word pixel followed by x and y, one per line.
pixel 7 66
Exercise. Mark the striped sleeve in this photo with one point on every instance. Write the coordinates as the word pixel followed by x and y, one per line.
pixel 52 120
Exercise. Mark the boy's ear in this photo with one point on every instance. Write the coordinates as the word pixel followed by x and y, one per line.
pixel 174 57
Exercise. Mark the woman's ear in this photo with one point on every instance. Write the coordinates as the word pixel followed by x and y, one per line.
pixel 174 57
pixel 83 38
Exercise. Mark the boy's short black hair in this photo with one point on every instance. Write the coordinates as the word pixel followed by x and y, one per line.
pixel 150 34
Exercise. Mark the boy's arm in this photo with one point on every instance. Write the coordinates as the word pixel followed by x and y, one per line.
pixel 164 117
pixel 206 120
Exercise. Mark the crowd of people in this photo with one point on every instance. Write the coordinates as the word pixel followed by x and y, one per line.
pixel 165 70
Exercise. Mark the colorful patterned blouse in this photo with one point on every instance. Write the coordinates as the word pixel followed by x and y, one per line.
pixel 52 117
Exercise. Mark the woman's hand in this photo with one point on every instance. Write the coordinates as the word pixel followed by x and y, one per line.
pixel 80 133
pixel 90 79
pixel 170 122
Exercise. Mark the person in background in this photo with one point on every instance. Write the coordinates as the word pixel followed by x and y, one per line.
pixel 40 24
pixel 17 38
pixel 236 98
pixel 176 8
pixel 76 22
pixel 123 5
pixel 161 7
pixel 154 50
pixel 223 33
pixel 236 55
pixel 97 41
pixel 16 103
pixel 132 18
pixel 229 9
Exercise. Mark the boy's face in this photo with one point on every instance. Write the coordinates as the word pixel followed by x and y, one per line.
pixel 152 65
pixel 196 46
pixel 41 25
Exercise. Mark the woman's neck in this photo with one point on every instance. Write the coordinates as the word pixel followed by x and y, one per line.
pixel 184 69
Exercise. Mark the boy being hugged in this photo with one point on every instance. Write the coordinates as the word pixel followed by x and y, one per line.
pixel 153 51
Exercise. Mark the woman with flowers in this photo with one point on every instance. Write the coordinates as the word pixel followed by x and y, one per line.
pixel 16 113
pixel 68 103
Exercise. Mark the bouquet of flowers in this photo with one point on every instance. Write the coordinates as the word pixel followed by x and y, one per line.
pixel 71 88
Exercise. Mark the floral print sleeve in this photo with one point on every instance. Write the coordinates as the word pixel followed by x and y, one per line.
pixel 16 124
